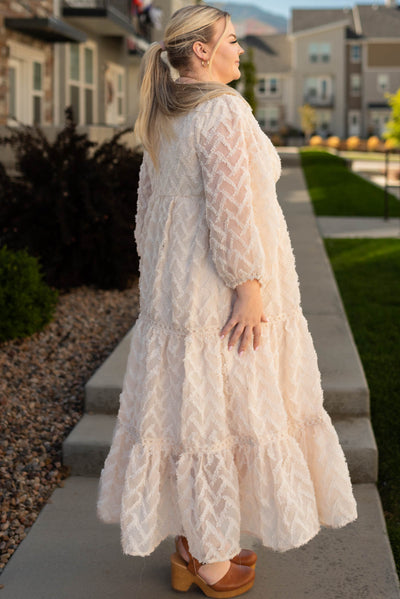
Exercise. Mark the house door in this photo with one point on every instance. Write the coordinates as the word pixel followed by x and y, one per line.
pixel 354 123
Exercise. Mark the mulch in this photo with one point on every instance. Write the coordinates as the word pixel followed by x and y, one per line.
pixel 42 380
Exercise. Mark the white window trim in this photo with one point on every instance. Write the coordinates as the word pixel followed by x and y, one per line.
pixel 82 83
pixel 27 55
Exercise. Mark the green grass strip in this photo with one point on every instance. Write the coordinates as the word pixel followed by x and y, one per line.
pixel 368 275
pixel 336 191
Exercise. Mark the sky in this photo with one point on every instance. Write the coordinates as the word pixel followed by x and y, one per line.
pixel 282 7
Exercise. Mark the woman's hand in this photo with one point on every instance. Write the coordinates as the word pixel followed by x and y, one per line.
pixel 246 318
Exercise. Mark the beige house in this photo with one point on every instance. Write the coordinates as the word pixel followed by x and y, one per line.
pixel 341 61
pixel 271 54
pixel 83 53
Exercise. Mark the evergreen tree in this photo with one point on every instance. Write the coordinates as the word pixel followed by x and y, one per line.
pixel 249 75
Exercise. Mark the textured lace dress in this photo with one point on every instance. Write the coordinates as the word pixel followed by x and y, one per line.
pixel 208 443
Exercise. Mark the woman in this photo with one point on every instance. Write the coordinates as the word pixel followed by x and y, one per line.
pixel 211 442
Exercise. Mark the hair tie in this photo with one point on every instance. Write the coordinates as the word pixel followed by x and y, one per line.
pixel 163 48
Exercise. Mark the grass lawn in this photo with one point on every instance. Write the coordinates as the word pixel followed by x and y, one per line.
pixel 336 191
pixel 368 275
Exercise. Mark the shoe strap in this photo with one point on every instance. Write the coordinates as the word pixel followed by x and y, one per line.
pixel 194 564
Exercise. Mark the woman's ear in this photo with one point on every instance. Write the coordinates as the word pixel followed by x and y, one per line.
pixel 200 50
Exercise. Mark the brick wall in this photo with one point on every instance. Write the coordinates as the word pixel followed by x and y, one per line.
pixel 25 8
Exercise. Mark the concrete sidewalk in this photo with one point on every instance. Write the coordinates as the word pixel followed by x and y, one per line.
pixel 358 227
pixel 70 554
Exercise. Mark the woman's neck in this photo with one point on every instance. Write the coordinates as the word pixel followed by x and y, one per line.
pixel 195 76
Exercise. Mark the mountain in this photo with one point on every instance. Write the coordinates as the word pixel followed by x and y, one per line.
pixel 252 20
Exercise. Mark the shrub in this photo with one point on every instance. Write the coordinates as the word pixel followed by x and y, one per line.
pixel 316 140
pixel 26 303
pixel 276 139
pixel 333 142
pixel 353 142
pixel 73 205
pixel 389 144
pixel 373 143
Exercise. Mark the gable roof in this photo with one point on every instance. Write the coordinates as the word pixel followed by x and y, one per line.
pixel 379 20
pixel 309 18
pixel 364 20
pixel 272 53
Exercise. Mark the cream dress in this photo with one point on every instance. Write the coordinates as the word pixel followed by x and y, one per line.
pixel 208 443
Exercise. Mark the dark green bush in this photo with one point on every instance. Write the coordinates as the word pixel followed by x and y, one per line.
pixel 26 302
pixel 72 205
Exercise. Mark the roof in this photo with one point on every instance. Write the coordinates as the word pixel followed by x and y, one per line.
pixel 271 52
pixel 308 18
pixel 379 20
pixel 364 20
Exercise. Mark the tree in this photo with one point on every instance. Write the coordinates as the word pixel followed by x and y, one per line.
pixel 308 120
pixel 249 74
pixel 392 131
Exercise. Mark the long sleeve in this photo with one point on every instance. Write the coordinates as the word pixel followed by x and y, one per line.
pixel 144 191
pixel 235 243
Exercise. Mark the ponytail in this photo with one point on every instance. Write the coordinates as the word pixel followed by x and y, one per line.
pixel 156 91
pixel 160 97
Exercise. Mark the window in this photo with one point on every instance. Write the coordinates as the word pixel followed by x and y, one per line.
pixel 273 116
pixel 120 95
pixel 323 120
pixel 12 90
pixel 318 90
pixel 383 82
pixel 324 88
pixel 355 84
pixel 82 82
pixel 268 86
pixel 25 84
pixel 268 117
pixel 378 119
pixel 319 52
pixel 115 78
pixel 262 86
pixel 273 85
pixel 325 52
pixel 37 94
pixel 355 53
pixel 311 87
pixel 313 52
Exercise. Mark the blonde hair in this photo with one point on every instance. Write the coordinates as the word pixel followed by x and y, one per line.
pixel 160 97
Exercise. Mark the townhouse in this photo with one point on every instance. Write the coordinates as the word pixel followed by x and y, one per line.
pixel 340 61
pixel 83 53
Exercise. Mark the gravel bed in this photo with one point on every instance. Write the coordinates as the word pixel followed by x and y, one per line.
pixel 42 381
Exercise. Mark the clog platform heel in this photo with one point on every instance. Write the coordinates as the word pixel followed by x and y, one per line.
pixel 237 581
